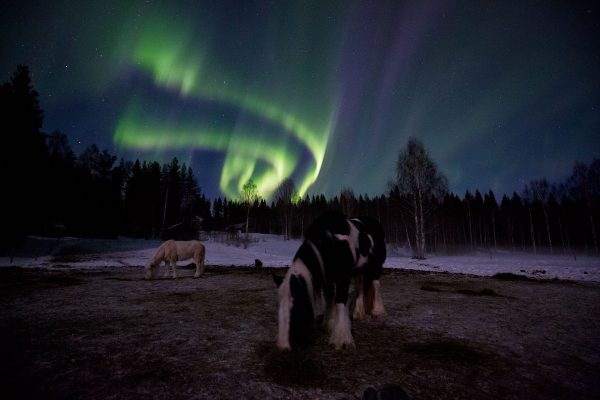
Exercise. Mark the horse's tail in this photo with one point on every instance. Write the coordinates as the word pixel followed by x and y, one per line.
pixel 201 254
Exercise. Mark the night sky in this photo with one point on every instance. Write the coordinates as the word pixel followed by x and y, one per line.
pixel 323 92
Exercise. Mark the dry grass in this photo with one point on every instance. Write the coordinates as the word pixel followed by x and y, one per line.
pixel 110 334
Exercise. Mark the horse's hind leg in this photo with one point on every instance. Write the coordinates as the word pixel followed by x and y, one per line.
pixel 197 262
pixel 199 259
pixel 199 267
pixel 359 307
pixel 372 287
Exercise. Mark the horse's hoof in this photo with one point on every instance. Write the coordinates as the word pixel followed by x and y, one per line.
pixel 379 317
pixel 345 346
pixel 358 316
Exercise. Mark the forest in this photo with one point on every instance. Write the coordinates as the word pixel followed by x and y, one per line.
pixel 49 190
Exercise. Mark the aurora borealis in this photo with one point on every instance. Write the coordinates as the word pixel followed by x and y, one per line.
pixel 323 92
pixel 266 144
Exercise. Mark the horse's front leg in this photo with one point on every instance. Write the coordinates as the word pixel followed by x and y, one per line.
pixel 341 332
pixel 173 264
pixel 359 307
pixel 378 311
pixel 167 266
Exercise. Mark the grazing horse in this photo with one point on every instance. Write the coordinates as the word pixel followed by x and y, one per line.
pixel 172 251
pixel 336 250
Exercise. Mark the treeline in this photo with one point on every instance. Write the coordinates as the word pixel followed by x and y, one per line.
pixel 561 218
pixel 48 190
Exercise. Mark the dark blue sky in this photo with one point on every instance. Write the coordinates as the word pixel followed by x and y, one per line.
pixel 325 93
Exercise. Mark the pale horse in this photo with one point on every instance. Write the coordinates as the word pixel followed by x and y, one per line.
pixel 172 251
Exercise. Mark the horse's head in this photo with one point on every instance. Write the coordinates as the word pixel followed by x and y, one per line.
pixel 296 315
pixel 149 270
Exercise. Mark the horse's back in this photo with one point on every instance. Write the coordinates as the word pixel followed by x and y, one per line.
pixel 373 228
pixel 189 249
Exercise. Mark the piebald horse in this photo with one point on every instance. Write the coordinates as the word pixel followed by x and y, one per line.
pixel 336 251
pixel 172 251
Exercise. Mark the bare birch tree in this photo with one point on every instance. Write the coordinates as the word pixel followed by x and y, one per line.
pixel 249 197
pixel 286 196
pixel 418 177
pixel 528 195
pixel 539 190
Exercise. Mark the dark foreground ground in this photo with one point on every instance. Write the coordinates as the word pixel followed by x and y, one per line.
pixel 105 334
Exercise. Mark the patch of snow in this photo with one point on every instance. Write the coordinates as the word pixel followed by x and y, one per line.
pixel 274 251
pixel 542 266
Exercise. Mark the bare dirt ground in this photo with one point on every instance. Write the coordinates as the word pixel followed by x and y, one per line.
pixel 106 334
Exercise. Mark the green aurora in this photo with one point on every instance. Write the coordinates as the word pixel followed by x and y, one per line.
pixel 167 53
pixel 325 93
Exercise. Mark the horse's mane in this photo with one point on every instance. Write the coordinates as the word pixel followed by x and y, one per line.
pixel 159 256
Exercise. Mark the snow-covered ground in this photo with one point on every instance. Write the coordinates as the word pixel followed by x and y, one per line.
pixel 273 251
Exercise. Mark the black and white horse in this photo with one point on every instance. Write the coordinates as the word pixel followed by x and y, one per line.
pixel 335 252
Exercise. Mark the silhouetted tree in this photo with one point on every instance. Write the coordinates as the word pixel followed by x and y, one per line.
pixel 61 175
pixel 98 194
pixel 539 191
pixel 491 210
pixel 99 164
pixel 285 198
pixel 348 202
pixel 171 193
pixel 529 199
pixel 249 197
pixel 584 185
pixel 419 178
pixel 22 156
pixel 134 198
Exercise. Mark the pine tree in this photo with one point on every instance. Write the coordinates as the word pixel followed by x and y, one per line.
pixel 23 157
pixel 584 184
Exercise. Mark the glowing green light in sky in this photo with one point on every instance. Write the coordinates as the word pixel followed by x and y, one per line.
pixel 168 57
pixel 243 153
pixel 268 158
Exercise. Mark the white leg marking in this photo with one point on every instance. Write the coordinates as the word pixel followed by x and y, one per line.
pixel 174 272
pixel 359 308
pixel 283 333
pixel 331 316
pixel 286 302
pixel 341 334
pixel 285 306
pixel 378 308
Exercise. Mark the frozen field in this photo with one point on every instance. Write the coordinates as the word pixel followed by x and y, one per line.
pixel 273 251
pixel 83 323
